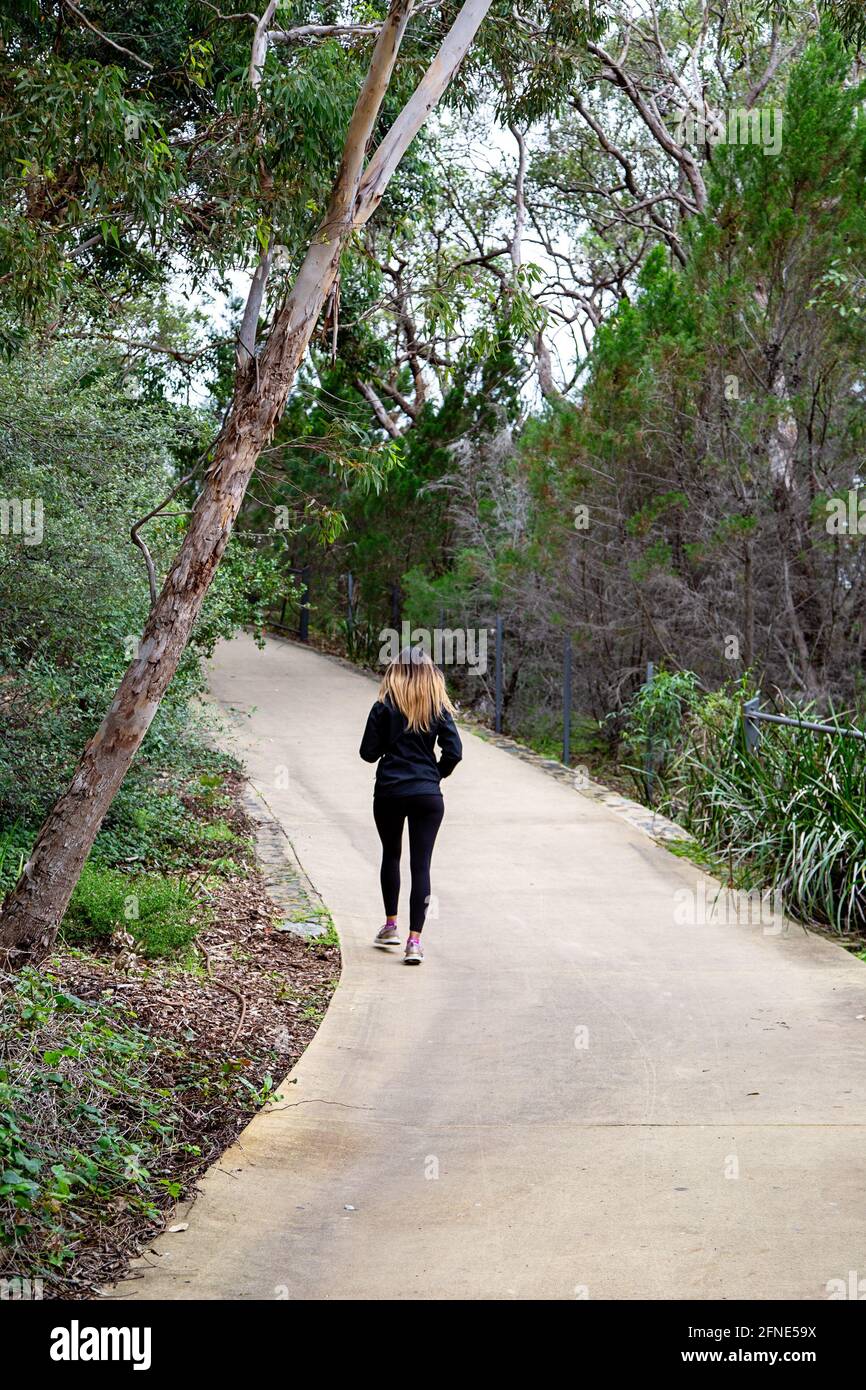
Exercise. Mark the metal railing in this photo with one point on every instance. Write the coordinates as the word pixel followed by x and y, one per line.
pixel 753 717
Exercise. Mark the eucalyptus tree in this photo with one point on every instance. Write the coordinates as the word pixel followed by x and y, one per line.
pixel 200 175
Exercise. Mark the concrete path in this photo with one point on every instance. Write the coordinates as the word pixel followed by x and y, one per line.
pixel 579 1094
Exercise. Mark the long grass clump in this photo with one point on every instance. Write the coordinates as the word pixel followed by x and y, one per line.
pixel 788 816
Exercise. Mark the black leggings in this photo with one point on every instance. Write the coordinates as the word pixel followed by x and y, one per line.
pixel 425 817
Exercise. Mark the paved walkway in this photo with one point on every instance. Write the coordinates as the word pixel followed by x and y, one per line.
pixel 579 1094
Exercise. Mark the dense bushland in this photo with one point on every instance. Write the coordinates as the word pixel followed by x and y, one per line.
pixel 94 1128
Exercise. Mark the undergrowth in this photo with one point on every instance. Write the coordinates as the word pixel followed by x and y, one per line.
pixel 98 1120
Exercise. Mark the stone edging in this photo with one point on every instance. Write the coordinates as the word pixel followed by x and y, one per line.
pixel 303 910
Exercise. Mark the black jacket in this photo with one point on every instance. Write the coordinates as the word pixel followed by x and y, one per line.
pixel 407 760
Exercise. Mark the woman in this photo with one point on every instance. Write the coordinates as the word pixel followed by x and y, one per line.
pixel 413 713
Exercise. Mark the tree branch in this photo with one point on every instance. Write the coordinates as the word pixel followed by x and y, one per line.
pixel 136 538
pixel 398 398
pixel 118 47
pixel 628 171
pixel 378 409
pixel 323 31
pixel 619 77
pixel 135 345
pixel 519 200
pixel 252 309
pixel 367 108
pixel 417 109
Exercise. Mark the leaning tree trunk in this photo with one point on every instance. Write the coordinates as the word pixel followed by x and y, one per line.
pixel 32 913
pixel 34 910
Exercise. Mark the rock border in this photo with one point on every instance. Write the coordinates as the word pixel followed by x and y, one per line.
pixel 303 910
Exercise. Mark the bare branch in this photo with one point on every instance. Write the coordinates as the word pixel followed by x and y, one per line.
pixel 323 31
pixel 303 33
pixel 398 398
pixel 252 309
pixel 137 345
pixel 519 201
pixel 136 538
pixel 378 409
pixel 631 182
pixel 616 73
pixel 259 49
pixel 417 109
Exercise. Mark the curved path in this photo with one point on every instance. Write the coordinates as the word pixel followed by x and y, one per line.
pixel 577 1095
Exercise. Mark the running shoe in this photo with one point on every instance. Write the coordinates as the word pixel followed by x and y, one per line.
pixel 386 936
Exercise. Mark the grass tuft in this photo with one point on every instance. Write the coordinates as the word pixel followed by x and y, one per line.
pixel 790 816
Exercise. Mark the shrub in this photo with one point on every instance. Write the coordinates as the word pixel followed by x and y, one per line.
pixel 99 456
pixel 83 1112
pixel 159 913
pixel 789 816
pixel 14 849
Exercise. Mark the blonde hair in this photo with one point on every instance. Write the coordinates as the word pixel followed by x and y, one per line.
pixel 416 688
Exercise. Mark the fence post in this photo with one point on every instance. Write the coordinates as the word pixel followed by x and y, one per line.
pixel 751 727
pixel 304 617
pixel 648 757
pixel 566 703
pixel 350 611
pixel 498 719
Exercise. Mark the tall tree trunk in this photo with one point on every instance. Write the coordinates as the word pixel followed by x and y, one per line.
pixel 34 910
